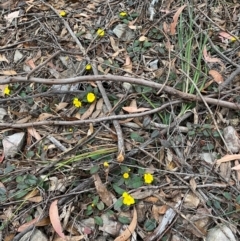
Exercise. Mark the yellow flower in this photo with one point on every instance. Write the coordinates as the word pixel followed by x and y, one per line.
pixel 93 205
pixel 63 13
pixel 100 32
pixel 105 164
pixel 233 39
pixel 127 199
pixel 148 178
pixel 76 102
pixel 91 97
pixel 123 14
pixel 6 90
pixel 88 67
pixel 125 175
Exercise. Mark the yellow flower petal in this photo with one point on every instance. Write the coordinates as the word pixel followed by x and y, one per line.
pixel 105 164
pixel 88 67
pixel 77 103
pixel 125 175
pixel 91 97
pixel 63 13
pixel 100 32
pixel 148 178
pixel 127 199
pixel 123 14
pixel 6 90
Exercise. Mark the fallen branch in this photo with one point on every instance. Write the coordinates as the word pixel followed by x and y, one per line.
pixel 97 120
pixel 115 78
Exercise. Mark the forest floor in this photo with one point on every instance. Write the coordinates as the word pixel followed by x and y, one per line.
pixel 119 120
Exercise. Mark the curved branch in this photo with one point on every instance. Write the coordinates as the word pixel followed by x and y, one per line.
pixel 115 78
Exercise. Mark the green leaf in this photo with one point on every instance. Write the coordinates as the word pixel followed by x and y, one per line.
pixel 150 225
pixel 136 182
pixel 216 204
pixel 19 179
pixel 118 204
pixel 124 169
pixel 117 189
pixel 155 133
pixel 227 195
pixel 31 180
pixel 147 44
pixel 238 199
pixel 19 194
pixel 100 206
pixel 191 133
pixel 136 137
pixel 30 154
pixel 89 210
pixel 94 170
pixel 98 220
pixel 208 147
pixel 124 220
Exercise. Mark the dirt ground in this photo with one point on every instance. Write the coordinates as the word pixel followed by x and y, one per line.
pixel 119 120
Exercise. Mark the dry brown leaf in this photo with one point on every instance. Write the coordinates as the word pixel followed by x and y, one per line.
pixel 36 199
pixel 210 59
pixel 55 220
pixel 90 130
pixel 113 44
pixel 9 237
pixel 175 19
pixel 142 38
pixel 8 72
pixel 128 64
pixel 129 231
pixel 89 111
pixel 132 109
pixel 70 238
pixel 33 132
pixel 98 110
pixel 193 184
pixel 216 76
pixel 228 158
pixel 236 168
pixel 30 63
pixel 102 191
pixel 120 157
pixel 225 35
pixel 38 223
pixel 3 58
pixel 44 116
pixel 60 106
pixel 24 120
pixel 31 194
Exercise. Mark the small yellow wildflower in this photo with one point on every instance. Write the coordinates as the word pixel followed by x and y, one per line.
pixel 93 205
pixel 105 164
pixel 123 14
pixel 63 13
pixel 125 175
pixel 233 39
pixel 91 97
pixel 6 90
pixel 148 178
pixel 100 32
pixel 127 199
pixel 76 102
pixel 88 67
pixel 70 129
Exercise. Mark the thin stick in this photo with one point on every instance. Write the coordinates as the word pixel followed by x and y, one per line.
pixel 121 148
pixel 116 78
pixel 41 65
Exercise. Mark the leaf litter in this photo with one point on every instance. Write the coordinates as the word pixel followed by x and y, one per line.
pixel 62 168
